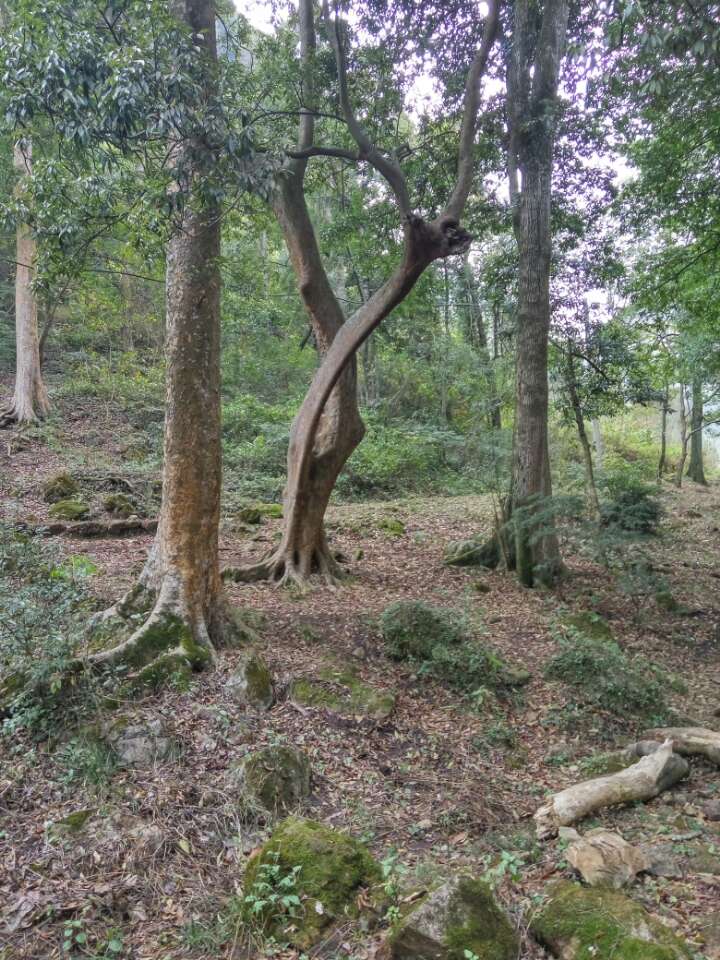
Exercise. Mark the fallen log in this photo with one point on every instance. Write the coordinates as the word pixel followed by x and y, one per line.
pixel 642 781
pixel 689 741
pixel 98 528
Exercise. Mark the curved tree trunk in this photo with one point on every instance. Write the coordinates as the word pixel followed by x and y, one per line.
pixel 303 549
pixel 590 484
pixel 538 43
pixel 180 587
pixel 696 468
pixel 30 401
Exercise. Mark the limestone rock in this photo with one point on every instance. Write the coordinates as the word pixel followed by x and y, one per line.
pixel 138 741
pixel 711 810
pixel 582 922
pixel 660 861
pixel 328 867
pixel 274 780
pixel 603 858
pixel 458 917
pixel 251 682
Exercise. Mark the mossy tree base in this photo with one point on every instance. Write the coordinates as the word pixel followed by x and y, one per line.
pixel 161 639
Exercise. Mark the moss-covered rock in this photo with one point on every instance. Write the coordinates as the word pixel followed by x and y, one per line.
pixel 251 682
pixel 333 867
pixel 274 780
pixel 580 923
pixel 457 919
pixel 60 487
pixel 255 513
pixel 589 624
pixel 340 690
pixel 392 525
pixel 120 505
pixel 69 510
pixel 472 553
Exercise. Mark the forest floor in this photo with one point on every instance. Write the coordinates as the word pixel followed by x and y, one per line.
pixel 442 782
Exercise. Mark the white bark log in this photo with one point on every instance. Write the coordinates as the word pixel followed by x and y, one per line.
pixel 642 781
pixel 689 741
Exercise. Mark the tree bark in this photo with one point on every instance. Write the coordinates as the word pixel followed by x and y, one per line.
pixel 682 413
pixel 696 468
pixel 598 443
pixel 538 43
pixel 30 401
pixel 180 587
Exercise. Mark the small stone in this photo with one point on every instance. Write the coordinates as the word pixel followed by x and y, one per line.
pixel 660 861
pixel 251 682
pixel 711 810
pixel 425 825
pixel 603 858
pixel 274 780
pixel 481 587
pixel 60 487
pixel 568 834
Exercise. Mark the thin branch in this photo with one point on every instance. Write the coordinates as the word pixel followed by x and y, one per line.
pixel 466 159
pixel 389 168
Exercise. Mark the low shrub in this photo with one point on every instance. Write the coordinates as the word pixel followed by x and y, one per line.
pixel 440 643
pixel 608 678
pixel 631 503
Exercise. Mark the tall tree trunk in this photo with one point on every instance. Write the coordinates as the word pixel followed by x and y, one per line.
pixel 663 432
pixel 682 414
pixel 538 42
pixel 30 401
pixel 696 468
pixel 180 587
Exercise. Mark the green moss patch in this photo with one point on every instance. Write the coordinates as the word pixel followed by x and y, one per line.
pixel 590 624
pixel 581 923
pixel 329 866
pixel 342 692
pixel 69 510
pixel 255 513
pixel 60 487
pixel 472 553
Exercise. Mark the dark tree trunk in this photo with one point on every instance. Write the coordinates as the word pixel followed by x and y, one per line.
pixel 180 587
pixel 684 437
pixel 590 485
pixel 696 468
pixel 665 409
pixel 538 42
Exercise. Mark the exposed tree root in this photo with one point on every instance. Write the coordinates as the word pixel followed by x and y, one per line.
pixel 285 567
pixel 98 528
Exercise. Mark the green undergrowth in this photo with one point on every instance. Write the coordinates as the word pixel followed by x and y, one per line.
pixel 442 645
pixel 592 664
